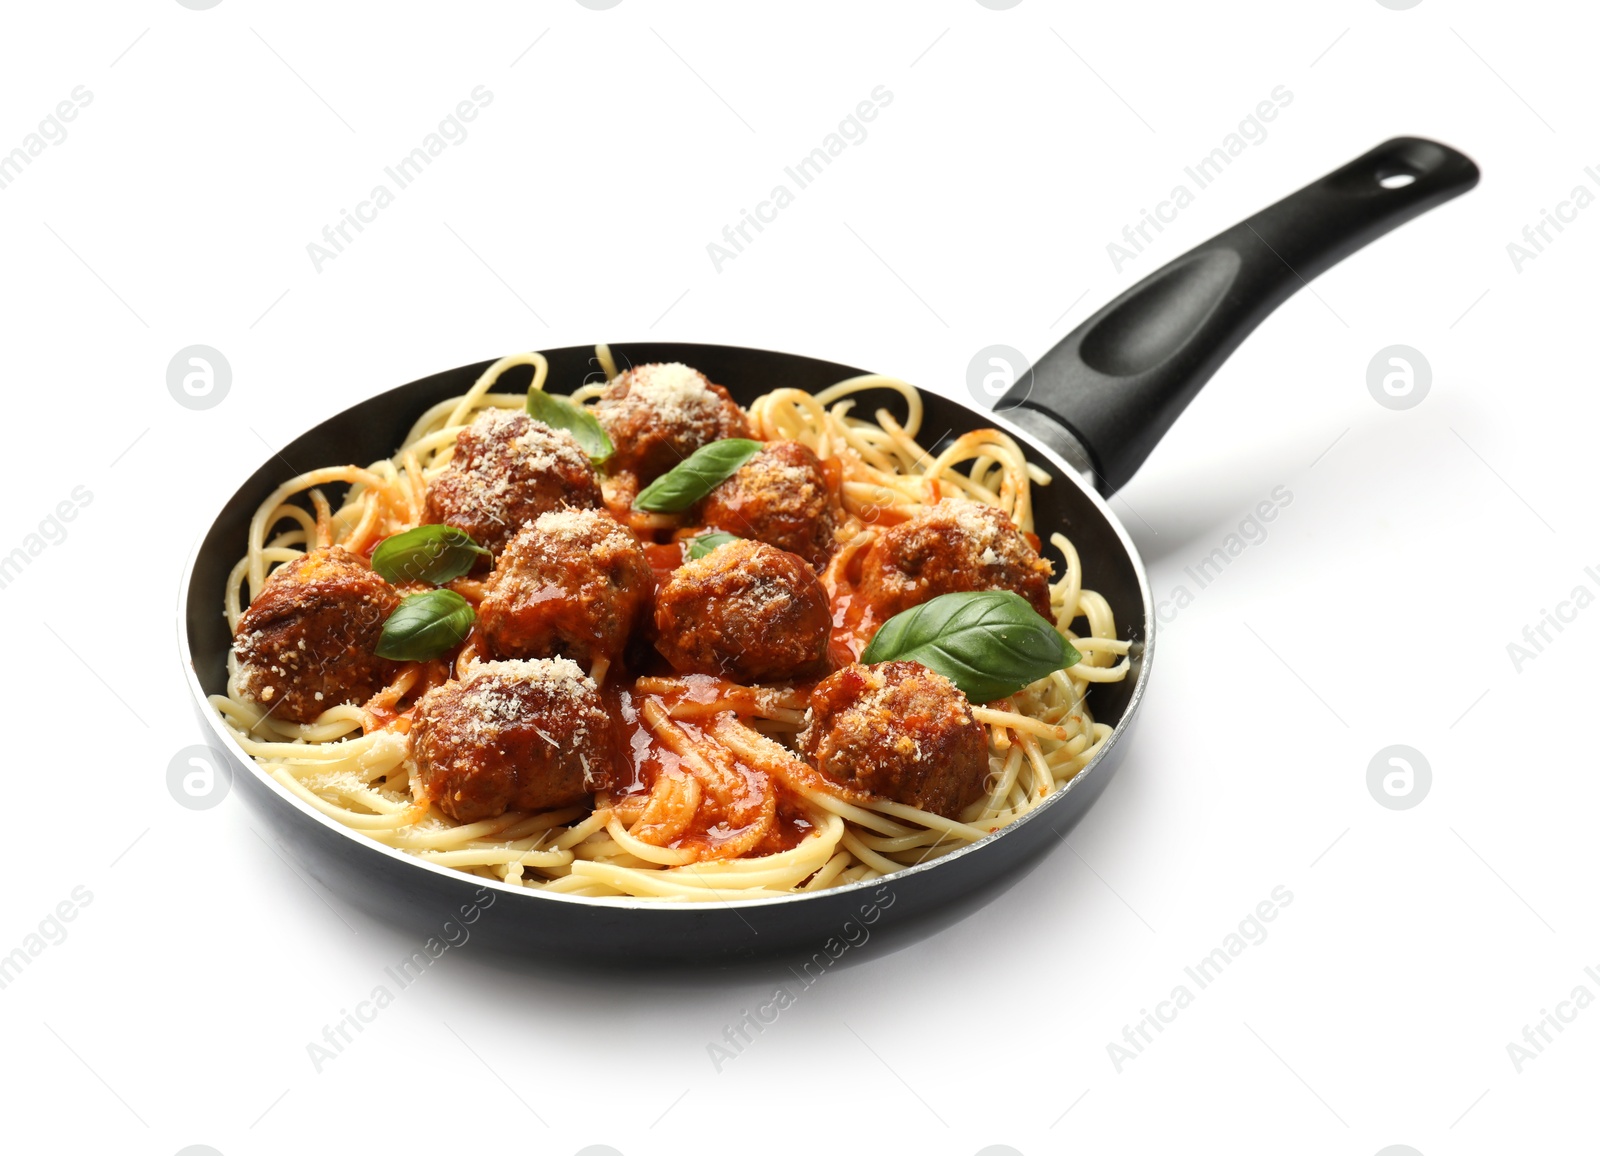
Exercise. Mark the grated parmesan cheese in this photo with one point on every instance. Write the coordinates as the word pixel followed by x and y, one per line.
pixel 581 528
pixel 675 391
pixel 979 522
pixel 490 696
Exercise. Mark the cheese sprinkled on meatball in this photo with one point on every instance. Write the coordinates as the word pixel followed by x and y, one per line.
pixel 508 469
pixel 952 547
pixel 574 583
pixel 524 735
pixel 657 415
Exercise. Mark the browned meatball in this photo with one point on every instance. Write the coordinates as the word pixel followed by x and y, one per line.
pixel 507 470
pixel 657 415
pixel 779 497
pixel 954 546
pixel 519 735
pixel 748 612
pixel 572 583
pixel 306 642
pixel 900 731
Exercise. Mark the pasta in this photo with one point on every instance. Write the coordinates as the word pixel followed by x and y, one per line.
pixel 354 763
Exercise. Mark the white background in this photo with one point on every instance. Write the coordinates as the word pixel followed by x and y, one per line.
pixel 1018 144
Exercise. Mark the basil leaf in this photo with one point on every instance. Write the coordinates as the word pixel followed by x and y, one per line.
pixel 705 543
pixel 696 476
pixel 990 643
pixel 426 626
pixel 564 414
pixel 432 554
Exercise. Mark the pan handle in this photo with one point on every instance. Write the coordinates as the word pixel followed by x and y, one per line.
pixel 1108 392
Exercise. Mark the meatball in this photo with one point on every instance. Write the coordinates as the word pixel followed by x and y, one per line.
pixel 572 583
pixel 657 415
pixel 900 731
pixel 507 470
pixel 747 611
pixel 519 735
pixel 306 642
pixel 779 497
pixel 954 546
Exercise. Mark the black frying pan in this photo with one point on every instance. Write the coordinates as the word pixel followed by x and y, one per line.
pixel 1091 412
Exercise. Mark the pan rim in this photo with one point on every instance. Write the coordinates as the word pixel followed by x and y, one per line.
pixel 1062 473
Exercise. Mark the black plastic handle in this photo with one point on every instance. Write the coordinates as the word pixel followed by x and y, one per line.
pixel 1108 392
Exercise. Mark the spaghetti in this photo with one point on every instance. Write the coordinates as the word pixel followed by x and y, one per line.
pixel 354 763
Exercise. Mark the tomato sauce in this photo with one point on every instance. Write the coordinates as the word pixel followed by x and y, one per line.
pixel 665 557
pixel 384 710
pixel 854 624
pixel 643 757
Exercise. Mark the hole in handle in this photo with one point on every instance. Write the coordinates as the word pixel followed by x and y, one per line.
pixel 1395 165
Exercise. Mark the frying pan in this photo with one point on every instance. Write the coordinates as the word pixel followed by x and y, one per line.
pixel 1089 413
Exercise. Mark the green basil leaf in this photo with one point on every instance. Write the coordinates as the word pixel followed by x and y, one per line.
pixel 705 543
pixel 432 554
pixel 696 476
pixel 990 643
pixel 564 414
pixel 426 626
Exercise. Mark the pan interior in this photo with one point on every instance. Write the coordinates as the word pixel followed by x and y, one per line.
pixel 374 429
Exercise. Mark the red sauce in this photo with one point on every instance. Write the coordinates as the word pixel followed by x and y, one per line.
pixel 790 827
pixel 665 557
pixel 389 713
pixel 874 515
pixel 640 755
pixel 642 758
pixel 854 624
